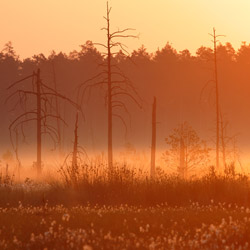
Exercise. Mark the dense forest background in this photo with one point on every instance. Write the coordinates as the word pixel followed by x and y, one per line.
pixel 180 81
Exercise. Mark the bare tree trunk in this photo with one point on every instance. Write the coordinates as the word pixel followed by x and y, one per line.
pixel 17 155
pixel 63 127
pixel 223 143
pixel 40 114
pixel 110 115
pixel 115 88
pixel 182 156
pixel 74 170
pixel 217 102
pixel 153 145
pixel 75 149
pixel 57 111
pixel 39 126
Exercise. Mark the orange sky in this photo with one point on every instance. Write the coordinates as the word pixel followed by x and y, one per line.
pixel 36 26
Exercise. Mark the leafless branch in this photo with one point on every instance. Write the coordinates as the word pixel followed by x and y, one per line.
pixel 129 95
pixel 123 122
pixel 23 79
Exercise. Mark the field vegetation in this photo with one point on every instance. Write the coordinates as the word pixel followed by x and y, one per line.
pixel 125 209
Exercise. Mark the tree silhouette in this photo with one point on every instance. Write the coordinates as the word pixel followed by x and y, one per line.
pixel 70 171
pixel 152 78
pixel 43 111
pixel 8 51
pixel 116 83
pixel 187 151
pixel 167 55
pixel 229 149
pixel 57 104
pixel 153 144
pixel 217 103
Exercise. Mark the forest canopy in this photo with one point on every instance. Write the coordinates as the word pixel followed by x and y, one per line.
pixel 180 81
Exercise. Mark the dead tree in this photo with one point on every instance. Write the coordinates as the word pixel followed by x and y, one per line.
pixel 57 107
pixel 74 173
pixel 44 110
pixel 217 102
pixel 183 156
pixel 116 83
pixel 16 149
pixel 223 126
pixel 73 163
pixel 153 145
pixel 228 144
pixel 75 148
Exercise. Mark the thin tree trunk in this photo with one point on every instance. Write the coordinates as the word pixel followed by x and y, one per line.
pixel 153 145
pixel 110 115
pixel 74 170
pixel 182 155
pixel 223 144
pixel 57 111
pixel 75 149
pixel 39 114
pixel 39 126
pixel 17 155
pixel 217 103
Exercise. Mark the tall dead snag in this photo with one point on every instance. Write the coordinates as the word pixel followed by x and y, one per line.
pixel 183 164
pixel 16 149
pixel 111 76
pixel 39 123
pixel 72 170
pixel 41 114
pixel 217 103
pixel 153 145
pixel 228 145
pixel 223 126
pixel 75 148
pixel 57 107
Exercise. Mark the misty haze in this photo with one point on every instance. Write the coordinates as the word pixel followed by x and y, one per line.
pixel 112 145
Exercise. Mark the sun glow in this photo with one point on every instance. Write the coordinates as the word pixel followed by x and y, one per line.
pixel 39 27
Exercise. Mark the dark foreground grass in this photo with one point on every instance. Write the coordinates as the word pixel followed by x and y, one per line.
pixel 125 227
pixel 131 190
pixel 85 211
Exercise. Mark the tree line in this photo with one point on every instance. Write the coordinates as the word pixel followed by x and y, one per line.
pixel 178 79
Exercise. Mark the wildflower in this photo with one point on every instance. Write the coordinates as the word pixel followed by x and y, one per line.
pixel 152 246
pixel 53 223
pixel 15 241
pixel 32 237
pixel 137 245
pixel 43 222
pixel 65 217
pixel 20 205
pixel 87 247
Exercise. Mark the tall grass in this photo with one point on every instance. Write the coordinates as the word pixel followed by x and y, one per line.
pixel 95 184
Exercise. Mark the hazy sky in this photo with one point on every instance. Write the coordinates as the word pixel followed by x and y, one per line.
pixel 36 26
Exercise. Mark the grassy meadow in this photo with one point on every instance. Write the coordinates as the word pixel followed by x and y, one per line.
pixel 92 208
pixel 214 226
